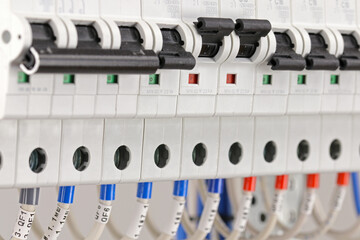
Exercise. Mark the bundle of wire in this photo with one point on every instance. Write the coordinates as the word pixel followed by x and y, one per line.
pixel 336 205
pixel 211 203
pixel 136 222
pixel 280 189
pixel 177 208
pixel 307 206
pixel 107 196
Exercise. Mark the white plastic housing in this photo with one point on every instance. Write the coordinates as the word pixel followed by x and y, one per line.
pixel 195 131
pixel 158 132
pixel 236 130
pixel 117 133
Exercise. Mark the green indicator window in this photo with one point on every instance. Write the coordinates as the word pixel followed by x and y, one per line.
pixel 267 79
pixel 301 79
pixel 334 79
pixel 69 79
pixel 23 78
pixel 154 79
pixel 112 79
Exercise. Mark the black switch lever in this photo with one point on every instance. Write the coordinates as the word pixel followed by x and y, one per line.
pixel 350 60
pixel 173 55
pixel 250 31
pixel 285 58
pixel 319 58
pixel 213 31
pixel 89 57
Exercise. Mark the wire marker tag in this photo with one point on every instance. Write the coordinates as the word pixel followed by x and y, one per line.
pixel 23 224
pixel 103 213
pixel 139 219
pixel 243 214
pixel 175 218
pixel 57 223
pixel 209 213
pixel 309 203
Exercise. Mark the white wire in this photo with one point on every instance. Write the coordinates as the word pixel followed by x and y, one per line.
pixel 163 235
pixel 234 198
pixel 267 200
pixel 243 211
pixel 319 217
pixel 289 234
pixel 326 225
pixel 28 208
pixel 149 224
pixel 55 234
pixel 98 228
pixel 271 224
pixel 37 229
pixel 143 201
pixel 219 224
pixel 205 217
pixel 113 229
pixel 74 228
pixel 187 224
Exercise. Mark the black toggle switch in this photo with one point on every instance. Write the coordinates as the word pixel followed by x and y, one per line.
pixel 213 31
pixel 89 56
pixel 285 58
pixel 319 58
pixel 87 37
pixel 173 55
pixel 350 60
pixel 250 31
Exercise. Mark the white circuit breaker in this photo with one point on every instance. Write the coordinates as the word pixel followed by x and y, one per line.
pixel 164 90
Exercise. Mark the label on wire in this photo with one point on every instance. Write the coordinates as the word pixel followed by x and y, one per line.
pixel 277 202
pixel 339 199
pixel 103 213
pixel 177 209
pixel 309 203
pixel 138 220
pixel 243 213
pixel 209 213
pixel 23 224
pixel 57 223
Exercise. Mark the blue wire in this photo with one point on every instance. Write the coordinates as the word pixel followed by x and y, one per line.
pixel 66 194
pixel 144 190
pixel 107 192
pixel 355 188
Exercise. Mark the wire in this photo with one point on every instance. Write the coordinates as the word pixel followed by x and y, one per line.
pixel 29 199
pixel 337 202
pixel 107 196
pixel 103 211
pixel 244 209
pixel 37 229
pixel 355 189
pixel 281 185
pixel 306 209
pixel 149 223
pixel 319 214
pixel 219 224
pixel 178 205
pixel 210 207
pixel 65 199
pixel 136 223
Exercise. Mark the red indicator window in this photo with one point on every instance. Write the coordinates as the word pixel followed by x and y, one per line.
pixel 230 78
pixel 193 78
